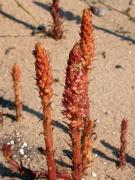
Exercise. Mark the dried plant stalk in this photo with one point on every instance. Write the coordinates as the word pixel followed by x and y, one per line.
pixel 18 102
pixel 87 40
pixel 123 141
pixel 44 83
pixel 57 29
pixel 75 104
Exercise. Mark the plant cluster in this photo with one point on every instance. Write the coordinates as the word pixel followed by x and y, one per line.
pixel 75 102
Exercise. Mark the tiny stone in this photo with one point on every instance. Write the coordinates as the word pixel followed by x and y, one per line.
pixel 19 139
pixel 104 162
pixel 8 143
pixel 21 151
pixel 25 156
pixel 25 144
pixel 96 155
pixel 129 52
pixel 93 174
pixel 114 133
pixel 118 66
pixel 12 142
pixel 98 120
pixel 99 11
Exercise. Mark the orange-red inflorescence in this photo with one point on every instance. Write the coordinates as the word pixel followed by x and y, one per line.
pixel 87 39
pixel 18 102
pixel 57 29
pixel 123 141
pixel 44 83
pixel 75 104
pixel 87 46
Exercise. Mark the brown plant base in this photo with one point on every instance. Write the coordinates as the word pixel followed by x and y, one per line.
pixel 57 30
pixel 18 102
pixel 123 141
pixel 27 172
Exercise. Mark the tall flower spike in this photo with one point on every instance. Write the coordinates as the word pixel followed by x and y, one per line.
pixel 44 83
pixel 87 40
pixel 18 102
pixel 57 30
pixel 76 108
pixel 87 46
pixel 123 140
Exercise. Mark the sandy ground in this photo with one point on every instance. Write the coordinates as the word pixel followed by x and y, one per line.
pixel 111 89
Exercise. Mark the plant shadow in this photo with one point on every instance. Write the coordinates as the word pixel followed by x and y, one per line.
pixel 115 152
pixel 19 21
pixel 4 103
pixel 125 38
pixel 6 172
pixel 67 15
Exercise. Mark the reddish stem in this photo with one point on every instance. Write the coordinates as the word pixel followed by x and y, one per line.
pixel 44 83
pixel 123 141
pixel 57 30
pixel 16 79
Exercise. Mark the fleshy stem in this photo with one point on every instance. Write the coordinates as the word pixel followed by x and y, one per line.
pixel 75 104
pixel 18 102
pixel 87 46
pixel 57 30
pixel 44 83
pixel 123 140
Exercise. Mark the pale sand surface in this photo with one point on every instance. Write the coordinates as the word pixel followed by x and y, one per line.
pixel 111 89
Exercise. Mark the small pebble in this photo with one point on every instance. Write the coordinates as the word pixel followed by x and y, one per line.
pixel 99 11
pixel 14 156
pixel 104 163
pixel 96 155
pixel 8 143
pixel 107 112
pixel 132 2
pixel 118 66
pixel 114 133
pixel 98 120
pixel 21 151
pixel 12 142
pixel 93 174
pixel 25 156
pixel 24 144
pixel 19 139
pixel 129 52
